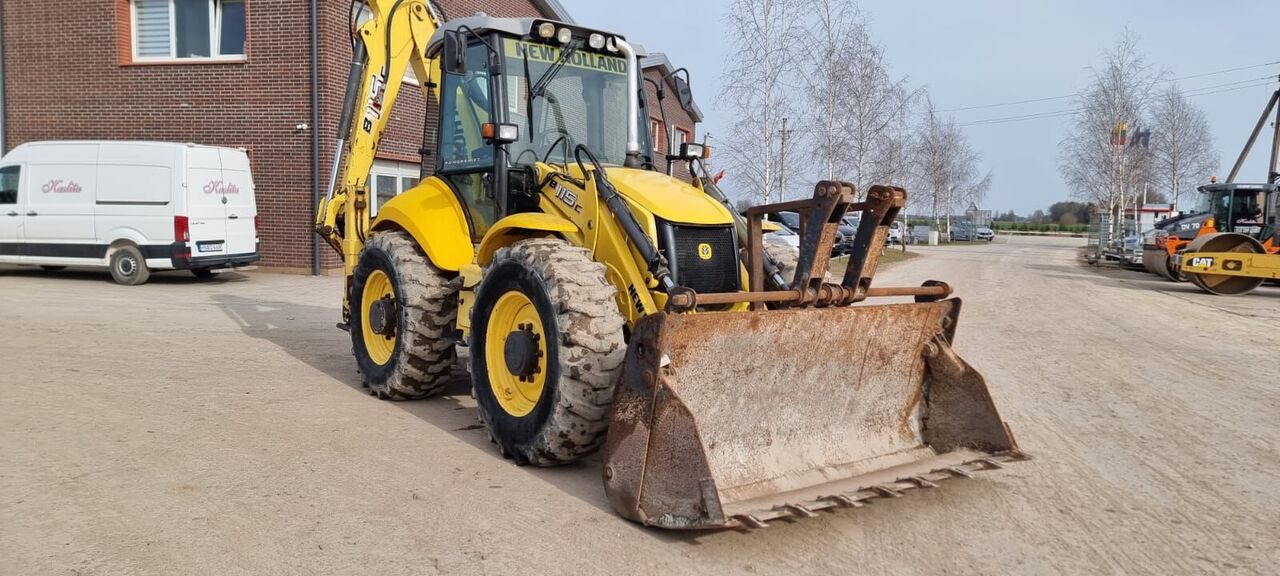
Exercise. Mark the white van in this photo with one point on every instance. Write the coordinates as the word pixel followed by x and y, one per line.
pixel 130 206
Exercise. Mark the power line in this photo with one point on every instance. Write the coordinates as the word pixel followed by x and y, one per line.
pixel 1214 89
pixel 1075 94
pixel 1011 103
pixel 1260 84
pixel 1268 79
pixel 1036 116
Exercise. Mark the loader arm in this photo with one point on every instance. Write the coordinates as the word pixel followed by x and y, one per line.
pixel 385 46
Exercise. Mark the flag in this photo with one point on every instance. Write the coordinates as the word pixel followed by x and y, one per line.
pixel 1141 138
pixel 716 179
pixel 1119 134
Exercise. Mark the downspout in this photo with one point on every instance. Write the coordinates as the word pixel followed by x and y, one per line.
pixel 3 149
pixel 315 135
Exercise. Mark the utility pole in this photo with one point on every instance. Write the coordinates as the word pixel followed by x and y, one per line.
pixel 782 162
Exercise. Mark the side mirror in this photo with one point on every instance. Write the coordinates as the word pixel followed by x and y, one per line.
pixel 454 53
pixel 684 95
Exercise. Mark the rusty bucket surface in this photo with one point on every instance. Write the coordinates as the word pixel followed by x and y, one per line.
pixel 734 419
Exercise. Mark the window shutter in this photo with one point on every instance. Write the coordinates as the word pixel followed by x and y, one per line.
pixel 152 27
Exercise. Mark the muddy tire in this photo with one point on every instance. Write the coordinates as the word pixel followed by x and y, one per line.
pixel 129 267
pixel 402 348
pixel 546 345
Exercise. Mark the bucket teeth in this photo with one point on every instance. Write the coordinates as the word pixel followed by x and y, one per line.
pixel 750 521
pixel 843 501
pixel 861 497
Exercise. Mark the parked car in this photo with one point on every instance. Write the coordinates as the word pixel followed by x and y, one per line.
pixel 784 236
pixel 132 207
pixel 841 244
pixel 968 232
pixel 895 232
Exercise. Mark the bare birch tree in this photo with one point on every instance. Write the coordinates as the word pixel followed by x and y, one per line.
pixel 1182 152
pixel 759 79
pixel 1092 159
pixel 947 166
pixel 854 101
pixel 827 77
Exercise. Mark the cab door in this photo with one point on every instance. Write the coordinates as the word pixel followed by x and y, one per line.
pixel 238 202
pixel 206 199
pixel 11 216
pixel 61 192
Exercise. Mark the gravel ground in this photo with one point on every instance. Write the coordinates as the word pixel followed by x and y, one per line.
pixel 184 427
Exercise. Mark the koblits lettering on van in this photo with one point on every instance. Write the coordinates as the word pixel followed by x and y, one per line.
pixel 221 188
pixel 61 187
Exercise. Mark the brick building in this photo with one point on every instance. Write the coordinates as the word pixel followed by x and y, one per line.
pixel 230 73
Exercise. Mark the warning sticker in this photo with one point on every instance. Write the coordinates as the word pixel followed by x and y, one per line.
pixel 580 59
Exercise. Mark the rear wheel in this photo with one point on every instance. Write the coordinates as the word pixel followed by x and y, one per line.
pixel 128 267
pixel 546 346
pixel 402 308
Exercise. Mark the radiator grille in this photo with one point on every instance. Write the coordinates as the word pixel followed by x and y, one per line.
pixel 684 248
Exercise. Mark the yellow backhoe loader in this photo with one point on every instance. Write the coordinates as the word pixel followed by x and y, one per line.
pixel 607 304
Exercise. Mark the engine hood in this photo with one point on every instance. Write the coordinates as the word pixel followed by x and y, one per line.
pixel 668 198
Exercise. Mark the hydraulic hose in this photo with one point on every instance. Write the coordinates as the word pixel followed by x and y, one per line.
pixel 654 259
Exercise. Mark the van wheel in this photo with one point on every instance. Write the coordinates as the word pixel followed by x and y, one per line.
pixel 53 268
pixel 128 266
pixel 202 273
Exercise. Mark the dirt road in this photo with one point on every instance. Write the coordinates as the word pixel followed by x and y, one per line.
pixel 218 428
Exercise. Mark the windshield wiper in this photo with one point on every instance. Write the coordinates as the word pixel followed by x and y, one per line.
pixel 536 89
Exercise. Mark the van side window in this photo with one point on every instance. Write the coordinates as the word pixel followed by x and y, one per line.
pixel 9 185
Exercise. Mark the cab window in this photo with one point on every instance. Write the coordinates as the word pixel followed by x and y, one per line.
pixel 9 185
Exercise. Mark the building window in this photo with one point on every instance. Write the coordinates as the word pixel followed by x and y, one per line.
pixel 188 29
pixel 679 136
pixel 389 179
pixel 655 128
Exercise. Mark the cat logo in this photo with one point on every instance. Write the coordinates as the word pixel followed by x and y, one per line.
pixel 704 251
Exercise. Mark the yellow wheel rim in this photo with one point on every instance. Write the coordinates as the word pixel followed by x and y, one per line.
pixel 379 346
pixel 513 314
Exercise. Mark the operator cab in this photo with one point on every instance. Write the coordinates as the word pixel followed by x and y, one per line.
pixel 1243 208
pixel 517 91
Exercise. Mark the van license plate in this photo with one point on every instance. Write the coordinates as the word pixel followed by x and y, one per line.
pixel 209 246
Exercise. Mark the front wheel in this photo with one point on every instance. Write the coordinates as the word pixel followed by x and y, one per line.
pixel 402 309
pixel 546 346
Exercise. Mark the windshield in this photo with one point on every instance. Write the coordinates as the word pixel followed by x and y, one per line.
pixel 583 102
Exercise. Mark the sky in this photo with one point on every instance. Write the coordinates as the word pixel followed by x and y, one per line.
pixel 981 52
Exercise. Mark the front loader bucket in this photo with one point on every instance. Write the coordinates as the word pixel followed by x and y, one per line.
pixel 733 419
